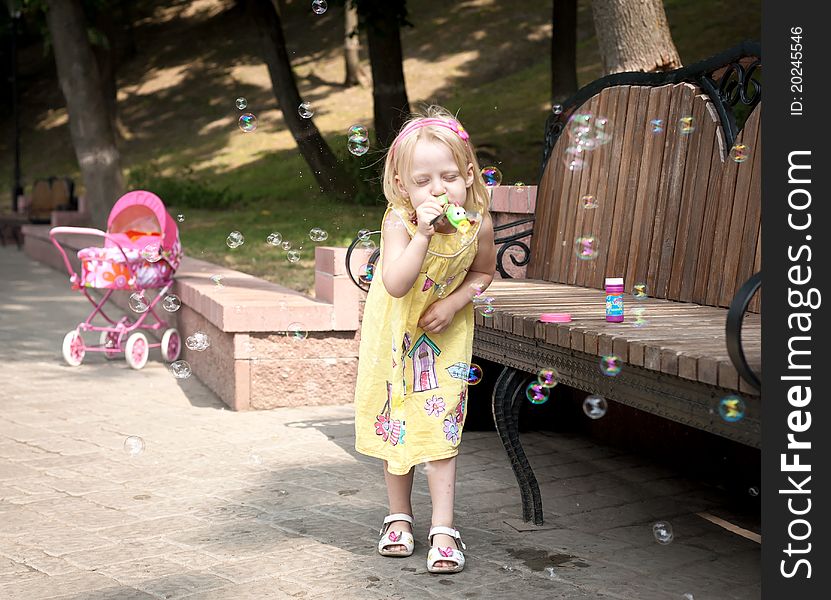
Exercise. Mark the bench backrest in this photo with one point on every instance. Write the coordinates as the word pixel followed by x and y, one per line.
pixel 674 210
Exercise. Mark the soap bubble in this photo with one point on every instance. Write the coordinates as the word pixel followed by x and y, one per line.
pixel 274 238
pixel 557 109
pixel 519 187
pixel 171 303
pixel 594 406
pixel 732 408
pixel 138 303
pixel 296 332
pixel 688 596
pixel 585 247
pixel 180 218
pixel 740 152
pixel 656 125
pixel 366 273
pixel 199 341
pixel 640 319
pixel 217 279
pixel 180 369
pixel 753 491
pixel 248 122
pixel 358 131
pixel 580 123
pixel 368 245
pixel 235 239
pixel 474 374
pixel 588 201
pixel 357 145
pixel 575 164
pixel 486 310
pixel 364 235
pixel 241 103
pixel 305 110
pixel 639 291
pixel 319 6
pixel 662 532
pixel 316 234
pixel 293 256
pixel 547 377
pixel 492 176
pixel 536 393
pixel 610 365
pixel 151 252
pixel 134 445
pixel 685 125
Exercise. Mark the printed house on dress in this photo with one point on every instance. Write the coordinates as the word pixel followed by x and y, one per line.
pixel 423 354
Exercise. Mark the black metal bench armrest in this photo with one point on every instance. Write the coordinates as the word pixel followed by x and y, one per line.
pixel 733 329
pixel 510 241
pixel 361 282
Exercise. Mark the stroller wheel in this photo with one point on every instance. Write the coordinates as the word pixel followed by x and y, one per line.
pixel 73 348
pixel 136 350
pixel 171 345
pixel 111 341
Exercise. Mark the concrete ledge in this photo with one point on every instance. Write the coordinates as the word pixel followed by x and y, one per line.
pixel 254 361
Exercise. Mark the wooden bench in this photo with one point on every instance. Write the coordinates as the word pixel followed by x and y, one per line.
pixel 674 212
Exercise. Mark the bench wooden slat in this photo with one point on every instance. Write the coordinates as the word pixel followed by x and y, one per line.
pixel 653 149
pixel 666 235
pixel 742 231
pixel 693 200
pixel 752 224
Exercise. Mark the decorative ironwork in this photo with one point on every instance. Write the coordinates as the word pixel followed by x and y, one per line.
pixel 733 329
pixel 512 241
pixel 506 402
pixel 362 280
pixel 731 67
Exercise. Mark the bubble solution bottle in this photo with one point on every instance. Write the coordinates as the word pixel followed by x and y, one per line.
pixel 614 299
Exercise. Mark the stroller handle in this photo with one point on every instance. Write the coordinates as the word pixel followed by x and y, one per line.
pixel 83 231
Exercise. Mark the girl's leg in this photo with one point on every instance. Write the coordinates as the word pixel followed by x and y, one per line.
pixel 441 478
pixel 399 489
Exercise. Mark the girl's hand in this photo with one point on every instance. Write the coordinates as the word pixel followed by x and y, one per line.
pixel 426 212
pixel 437 316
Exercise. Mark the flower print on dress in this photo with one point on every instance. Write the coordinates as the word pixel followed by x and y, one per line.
pixel 434 406
pixel 451 429
pixel 383 426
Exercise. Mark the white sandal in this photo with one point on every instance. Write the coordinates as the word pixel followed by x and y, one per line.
pixel 448 553
pixel 396 538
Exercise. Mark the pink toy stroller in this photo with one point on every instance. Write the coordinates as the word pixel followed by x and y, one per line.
pixel 141 252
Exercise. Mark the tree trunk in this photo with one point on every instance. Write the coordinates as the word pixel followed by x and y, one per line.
pixel 89 124
pixel 389 92
pixel 355 74
pixel 106 58
pixel 633 35
pixel 330 176
pixel 563 50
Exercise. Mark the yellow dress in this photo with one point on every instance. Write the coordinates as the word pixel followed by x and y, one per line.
pixel 410 398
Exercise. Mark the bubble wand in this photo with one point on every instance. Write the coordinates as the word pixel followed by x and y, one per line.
pixel 456 215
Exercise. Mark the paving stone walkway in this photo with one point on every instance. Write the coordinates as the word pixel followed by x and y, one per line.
pixel 277 504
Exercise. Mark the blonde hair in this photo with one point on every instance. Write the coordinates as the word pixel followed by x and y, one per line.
pixel 400 158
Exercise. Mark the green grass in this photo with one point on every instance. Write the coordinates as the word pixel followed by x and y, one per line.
pixel 488 60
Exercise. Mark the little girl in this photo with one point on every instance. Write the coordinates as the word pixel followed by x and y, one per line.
pixel 417 334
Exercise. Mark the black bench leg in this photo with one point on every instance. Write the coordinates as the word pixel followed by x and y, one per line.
pixel 508 393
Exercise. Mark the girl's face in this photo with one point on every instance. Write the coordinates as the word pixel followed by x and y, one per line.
pixel 434 172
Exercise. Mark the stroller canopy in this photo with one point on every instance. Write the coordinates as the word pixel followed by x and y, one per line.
pixel 140 214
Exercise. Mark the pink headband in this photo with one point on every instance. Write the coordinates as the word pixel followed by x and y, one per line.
pixel 451 124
